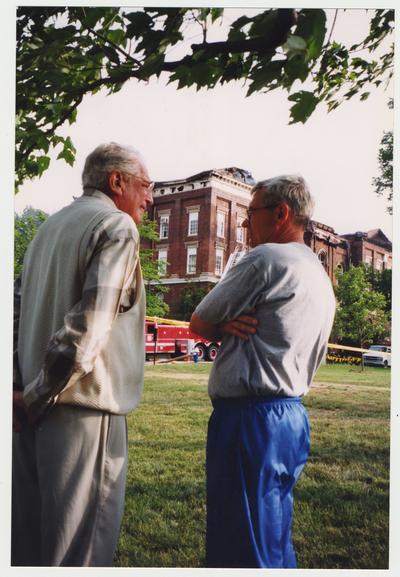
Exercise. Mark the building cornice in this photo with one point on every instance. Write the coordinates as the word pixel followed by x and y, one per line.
pixel 217 179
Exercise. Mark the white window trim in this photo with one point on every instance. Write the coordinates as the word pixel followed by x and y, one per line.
pixel 162 261
pixel 164 218
pixel 220 215
pixel 191 251
pixel 193 208
pixel 240 231
pixel 219 252
pixel 193 220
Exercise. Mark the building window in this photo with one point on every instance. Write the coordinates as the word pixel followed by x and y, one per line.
pixel 164 226
pixel 379 261
pixel 191 260
pixel 193 223
pixel 219 261
pixel 239 232
pixel 221 224
pixel 162 261
pixel 368 257
pixel 385 261
pixel 323 258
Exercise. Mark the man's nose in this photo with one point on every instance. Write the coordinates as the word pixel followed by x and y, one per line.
pixel 149 197
pixel 245 223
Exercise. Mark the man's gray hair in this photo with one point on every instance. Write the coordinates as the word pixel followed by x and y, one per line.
pixel 104 159
pixel 289 188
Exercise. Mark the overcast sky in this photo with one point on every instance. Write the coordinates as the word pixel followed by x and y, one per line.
pixel 182 132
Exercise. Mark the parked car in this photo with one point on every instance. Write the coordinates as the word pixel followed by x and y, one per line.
pixel 380 356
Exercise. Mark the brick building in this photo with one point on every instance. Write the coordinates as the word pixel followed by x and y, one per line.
pixel 199 222
pixel 331 249
pixel 372 248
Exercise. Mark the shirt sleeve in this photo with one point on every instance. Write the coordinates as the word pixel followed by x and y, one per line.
pixel 236 294
pixel 107 290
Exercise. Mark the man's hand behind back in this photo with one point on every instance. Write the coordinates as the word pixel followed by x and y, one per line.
pixel 20 415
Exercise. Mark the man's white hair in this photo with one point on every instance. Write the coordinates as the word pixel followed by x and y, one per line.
pixel 289 188
pixel 108 157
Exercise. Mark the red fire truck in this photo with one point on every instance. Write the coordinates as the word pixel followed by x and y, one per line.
pixel 174 339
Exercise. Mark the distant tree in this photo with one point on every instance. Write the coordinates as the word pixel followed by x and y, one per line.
pixel 384 182
pixel 155 305
pixel 191 296
pixel 361 317
pixel 25 227
pixel 67 52
pixel 381 281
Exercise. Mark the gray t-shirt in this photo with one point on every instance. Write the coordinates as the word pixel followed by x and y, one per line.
pixel 291 295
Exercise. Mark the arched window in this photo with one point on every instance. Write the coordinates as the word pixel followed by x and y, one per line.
pixel 323 258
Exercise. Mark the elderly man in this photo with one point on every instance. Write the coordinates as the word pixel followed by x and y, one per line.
pixel 274 312
pixel 79 367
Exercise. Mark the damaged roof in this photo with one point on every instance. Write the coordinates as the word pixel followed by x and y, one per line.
pixel 234 172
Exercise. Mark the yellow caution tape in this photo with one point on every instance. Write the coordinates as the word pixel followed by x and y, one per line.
pixel 162 321
pixel 333 346
pixel 177 323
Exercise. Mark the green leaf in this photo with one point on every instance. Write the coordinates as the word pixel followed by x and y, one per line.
pixel 42 143
pixel 117 37
pixel 139 24
pixel 91 16
pixel 67 155
pixel 182 74
pixel 73 116
pixel 266 76
pixel 312 27
pixel 304 107
pixel 68 145
pixel 264 24
pixel 296 69
pixel 152 65
pixel 43 164
pixel 216 13
pixel 235 35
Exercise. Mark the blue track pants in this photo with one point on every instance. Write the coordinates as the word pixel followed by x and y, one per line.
pixel 256 450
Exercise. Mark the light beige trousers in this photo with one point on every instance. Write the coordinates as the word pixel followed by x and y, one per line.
pixel 69 478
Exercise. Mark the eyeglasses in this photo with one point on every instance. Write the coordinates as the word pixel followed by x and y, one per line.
pixel 147 184
pixel 251 210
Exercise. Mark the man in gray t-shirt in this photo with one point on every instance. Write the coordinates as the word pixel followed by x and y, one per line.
pixel 273 312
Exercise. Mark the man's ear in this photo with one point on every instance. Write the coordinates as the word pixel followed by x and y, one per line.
pixel 115 181
pixel 283 212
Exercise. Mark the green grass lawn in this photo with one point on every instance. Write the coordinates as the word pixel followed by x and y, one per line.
pixel 341 500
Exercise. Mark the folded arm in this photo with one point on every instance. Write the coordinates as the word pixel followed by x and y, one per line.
pixel 242 327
